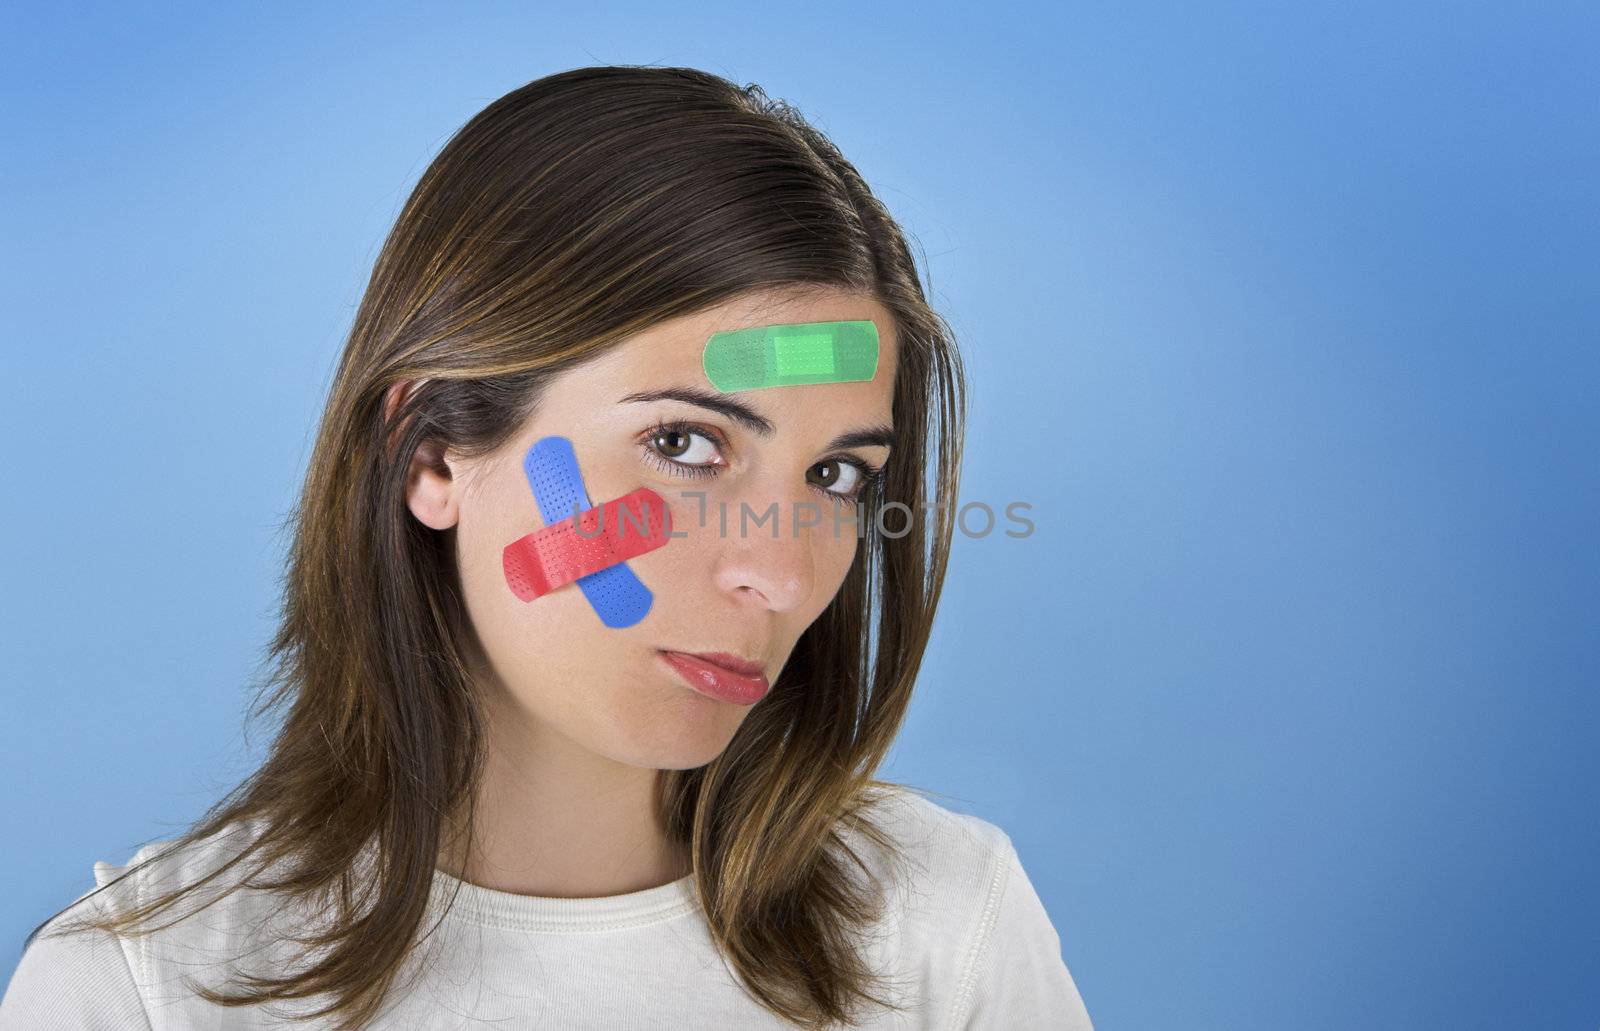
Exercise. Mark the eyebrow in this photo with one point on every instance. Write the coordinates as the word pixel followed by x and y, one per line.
pixel 738 411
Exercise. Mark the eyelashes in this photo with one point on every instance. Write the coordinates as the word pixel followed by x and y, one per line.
pixel 868 476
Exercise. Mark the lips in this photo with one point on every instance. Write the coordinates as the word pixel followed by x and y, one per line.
pixel 719 675
pixel 743 667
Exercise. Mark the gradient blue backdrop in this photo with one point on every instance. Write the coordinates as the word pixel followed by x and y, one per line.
pixel 1283 317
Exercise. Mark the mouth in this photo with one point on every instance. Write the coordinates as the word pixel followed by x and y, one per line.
pixel 719 675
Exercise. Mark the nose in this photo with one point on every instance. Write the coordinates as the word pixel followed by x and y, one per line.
pixel 764 559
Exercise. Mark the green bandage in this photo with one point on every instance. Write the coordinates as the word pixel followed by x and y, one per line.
pixel 791 355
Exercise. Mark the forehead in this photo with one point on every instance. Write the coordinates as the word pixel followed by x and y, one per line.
pixel 669 353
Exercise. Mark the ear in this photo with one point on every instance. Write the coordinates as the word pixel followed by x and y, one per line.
pixel 430 487
pixel 393 398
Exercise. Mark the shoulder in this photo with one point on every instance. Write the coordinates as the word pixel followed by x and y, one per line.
pixel 213 869
pixel 967 925
pixel 71 976
pixel 77 976
pixel 944 857
pixel 162 866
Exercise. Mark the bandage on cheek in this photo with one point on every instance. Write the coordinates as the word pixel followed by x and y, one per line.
pixel 613 591
pixel 794 354
pixel 564 552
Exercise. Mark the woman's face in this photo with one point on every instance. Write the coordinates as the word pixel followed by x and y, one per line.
pixel 748 591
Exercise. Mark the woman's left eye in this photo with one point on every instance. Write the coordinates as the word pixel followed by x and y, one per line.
pixel 836 477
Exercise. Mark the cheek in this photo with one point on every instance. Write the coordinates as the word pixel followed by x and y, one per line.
pixel 549 626
pixel 552 653
pixel 520 638
pixel 555 664
pixel 834 555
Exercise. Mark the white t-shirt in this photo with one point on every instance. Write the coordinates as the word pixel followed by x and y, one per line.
pixel 964 935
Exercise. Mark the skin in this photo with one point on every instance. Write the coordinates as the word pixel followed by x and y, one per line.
pixel 580 716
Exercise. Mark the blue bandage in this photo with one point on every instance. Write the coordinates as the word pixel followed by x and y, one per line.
pixel 615 593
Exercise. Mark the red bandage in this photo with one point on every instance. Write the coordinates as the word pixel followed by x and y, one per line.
pixel 559 554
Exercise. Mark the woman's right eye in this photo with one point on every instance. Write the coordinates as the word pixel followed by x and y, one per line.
pixel 683 447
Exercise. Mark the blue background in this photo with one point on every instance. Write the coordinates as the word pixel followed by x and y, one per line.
pixel 1284 317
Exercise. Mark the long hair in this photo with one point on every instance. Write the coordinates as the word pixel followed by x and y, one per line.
pixel 566 216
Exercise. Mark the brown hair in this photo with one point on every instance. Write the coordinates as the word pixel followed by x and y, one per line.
pixel 569 214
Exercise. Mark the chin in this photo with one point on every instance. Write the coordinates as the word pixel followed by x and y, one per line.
pixel 689 752
pixel 663 743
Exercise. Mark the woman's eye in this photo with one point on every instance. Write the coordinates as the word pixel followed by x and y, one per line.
pixel 836 477
pixel 685 447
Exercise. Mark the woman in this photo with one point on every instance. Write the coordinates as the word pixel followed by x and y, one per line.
pixel 638 793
